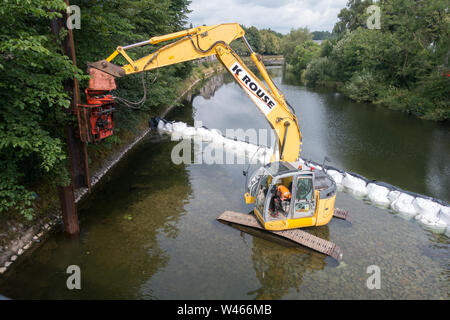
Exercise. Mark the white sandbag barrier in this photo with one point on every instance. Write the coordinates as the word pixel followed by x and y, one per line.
pixel 378 195
pixel 432 214
pixel 355 185
pixel 180 130
pixel 404 206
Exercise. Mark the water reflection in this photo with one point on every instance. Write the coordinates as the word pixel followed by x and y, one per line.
pixel 377 142
pixel 152 202
pixel 438 164
pixel 372 140
pixel 280 264
pixel 122 225
pixel 205 88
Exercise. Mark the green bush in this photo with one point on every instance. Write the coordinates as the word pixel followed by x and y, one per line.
pixel 34 68
pixel 362 87
pixel 402 65
pixel 319 72
pixel 429 100
pixel 290 41
pixel 33 100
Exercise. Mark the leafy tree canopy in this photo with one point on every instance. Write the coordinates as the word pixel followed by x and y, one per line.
pixel 34 103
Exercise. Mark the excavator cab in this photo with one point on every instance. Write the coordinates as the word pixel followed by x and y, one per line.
pixel 312 195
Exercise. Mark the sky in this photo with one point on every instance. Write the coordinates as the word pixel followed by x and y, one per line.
pixel 278 15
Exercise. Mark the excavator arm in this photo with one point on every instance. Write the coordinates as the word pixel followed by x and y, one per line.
pixel 204 41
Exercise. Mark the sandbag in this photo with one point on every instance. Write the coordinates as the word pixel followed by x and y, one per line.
pixel 204 134
pixel 168 127
pixel 436 225
pixel 241 147
pixel 337 176
pixel 179 126
pixel 393 195
pixel 334 169
pixel 355 185
pixel 251 149
pixel 229 144
pixel 378 195
pixel 188 132
pixel 444 214
pixel 427 209
pixel 160 125
pixel 404 205
pixel 217 137
pixel 358 176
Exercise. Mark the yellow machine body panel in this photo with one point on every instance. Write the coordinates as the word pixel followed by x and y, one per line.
pixel 323 213
pixel 324 210
pixel 286 223
pixel 248 198
pixel 196 43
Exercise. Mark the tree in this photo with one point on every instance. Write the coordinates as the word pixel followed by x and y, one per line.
pixel 352 17
pixel 32 117
pixel 303 55
pixel 320 72
pixel 33 99
pixel 265 41
pixel 321 35
pixel 326 48
pixel 239 47
pixel 402 65
pixel 291 40
pixel 271 42
pixel 254 39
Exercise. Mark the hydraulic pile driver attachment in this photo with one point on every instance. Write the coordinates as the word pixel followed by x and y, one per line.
pixel 98 111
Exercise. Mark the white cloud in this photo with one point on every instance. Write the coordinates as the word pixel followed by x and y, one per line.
pixel 280 15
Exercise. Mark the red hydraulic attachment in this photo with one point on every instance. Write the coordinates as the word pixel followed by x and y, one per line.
pixel 98 111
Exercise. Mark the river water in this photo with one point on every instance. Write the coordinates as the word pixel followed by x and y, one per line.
pixel 149 230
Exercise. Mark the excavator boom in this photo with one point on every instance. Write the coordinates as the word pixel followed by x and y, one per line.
pixel 204 41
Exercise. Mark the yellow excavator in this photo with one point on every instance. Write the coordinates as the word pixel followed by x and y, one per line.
pixel 308 195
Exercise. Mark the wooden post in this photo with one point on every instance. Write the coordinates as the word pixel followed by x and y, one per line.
pixel 69 210
pixel 76 148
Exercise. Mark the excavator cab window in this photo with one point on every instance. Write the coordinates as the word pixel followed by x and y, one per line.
pixel 262 192
pixel 304 189
pixel 278 206
pixel 304 196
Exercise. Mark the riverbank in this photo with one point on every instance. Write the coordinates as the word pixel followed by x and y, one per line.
pixel 364 89
pixel 425 98
pixel 18 235
pixel 403 100
pixel 267 60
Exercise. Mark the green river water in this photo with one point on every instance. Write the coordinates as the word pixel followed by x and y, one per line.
pixel 174 248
